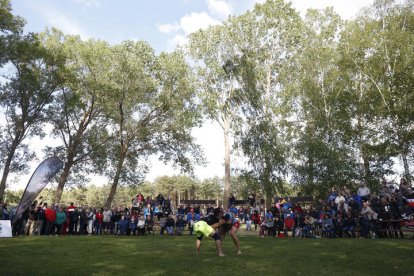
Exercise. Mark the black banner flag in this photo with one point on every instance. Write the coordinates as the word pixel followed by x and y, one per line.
pixel 41 176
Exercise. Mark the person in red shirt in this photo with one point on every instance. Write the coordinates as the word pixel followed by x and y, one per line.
pixel 256 219
pixel 98 221
pixel 50 215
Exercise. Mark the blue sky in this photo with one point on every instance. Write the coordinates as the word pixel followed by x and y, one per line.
pixel 164 24
pixel 160 22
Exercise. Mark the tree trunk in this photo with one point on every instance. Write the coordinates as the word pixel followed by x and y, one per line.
pixel 407 174
pixel 367 170
pixel 268 200
pixel 226 163
pixel 6 169
pixel 115 182
pixel 62 181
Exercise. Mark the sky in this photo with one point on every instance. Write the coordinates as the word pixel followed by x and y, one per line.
pixel 164 24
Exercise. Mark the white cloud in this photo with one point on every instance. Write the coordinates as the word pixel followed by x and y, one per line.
pixel 89 3
pixel 177 40
pixel 186 25
pixel 195 21
pixel 168 28
pixel 219 7
pixel 59 20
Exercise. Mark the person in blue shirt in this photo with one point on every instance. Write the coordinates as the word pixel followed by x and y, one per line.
pixel 233 210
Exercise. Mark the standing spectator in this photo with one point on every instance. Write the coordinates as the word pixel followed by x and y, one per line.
pixel 140 199
pixel 30 225
pixel 123 225
pixel 107 215
pixel 40 219
pixel 180 210
pixel 256 219
pixel 98 222
pixel 248 221
pixel 167 205
pixel 191 219
pixel 210 209
pixel 50 215
pixel 251 198
pixel 231 201
pixel 5 212
pixel 364 192
pixel 60 219
pixel 160 199
pixel 83 222
pixel 89 215
pixel 73 216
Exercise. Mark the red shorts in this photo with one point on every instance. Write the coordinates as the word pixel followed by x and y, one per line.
pixel 237 225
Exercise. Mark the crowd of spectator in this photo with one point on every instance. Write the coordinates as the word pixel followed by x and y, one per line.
pixel 343 213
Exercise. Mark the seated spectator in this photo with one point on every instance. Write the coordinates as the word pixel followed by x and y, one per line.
pixel 141 226
pixel 332 196
pixel 180 224
pixel 170 224
pixel 134 223
pixel 308 226
pixel 278 226
pixel 233 210
pixel 149 225
pixel 327 226
pixel 289 223
pixel 348 224
pixel 339 198
pixel 162 222
pixel 368 222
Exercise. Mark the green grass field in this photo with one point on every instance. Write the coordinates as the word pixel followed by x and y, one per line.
pixel 155 255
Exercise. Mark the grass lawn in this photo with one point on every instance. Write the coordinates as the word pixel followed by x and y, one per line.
pixel 155 255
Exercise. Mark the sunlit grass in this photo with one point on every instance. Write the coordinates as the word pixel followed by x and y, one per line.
pixel 155 255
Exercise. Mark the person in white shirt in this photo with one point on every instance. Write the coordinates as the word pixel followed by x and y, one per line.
pixel 339 198
pixel 107 215
pixel 364 192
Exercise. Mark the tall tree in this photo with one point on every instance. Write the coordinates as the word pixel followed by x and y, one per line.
pixel 322 135
pixel 31 75
pixel 215 63
pixel 268 36
pixel 152 111
pixel 79 123
pixel 380 46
